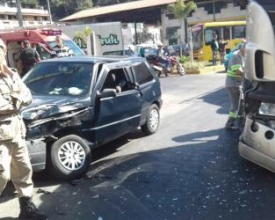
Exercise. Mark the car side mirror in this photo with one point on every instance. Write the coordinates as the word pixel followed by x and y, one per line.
pixel 136 85
pixel 107 93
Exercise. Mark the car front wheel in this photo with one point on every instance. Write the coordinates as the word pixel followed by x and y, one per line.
pixel 152 120
pixel 70 157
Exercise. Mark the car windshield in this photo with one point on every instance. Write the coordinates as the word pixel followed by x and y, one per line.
pixel 71 44
pixel 60 78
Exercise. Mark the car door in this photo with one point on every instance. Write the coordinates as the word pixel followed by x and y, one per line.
pixel 118 112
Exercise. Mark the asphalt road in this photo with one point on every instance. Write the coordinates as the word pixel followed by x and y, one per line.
pixel 189 170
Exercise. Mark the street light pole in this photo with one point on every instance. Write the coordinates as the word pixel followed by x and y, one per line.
pixel 19 13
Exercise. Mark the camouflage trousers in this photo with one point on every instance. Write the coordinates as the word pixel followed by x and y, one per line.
pixel 15 166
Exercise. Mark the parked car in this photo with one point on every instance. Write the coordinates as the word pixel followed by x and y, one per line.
pixel 140 47
pixel 80 103
pixel 174 50
pixel 148 52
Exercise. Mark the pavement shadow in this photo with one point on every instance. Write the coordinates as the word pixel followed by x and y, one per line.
pixel 202 175
pixel 219 98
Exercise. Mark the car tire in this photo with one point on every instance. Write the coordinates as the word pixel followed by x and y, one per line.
pixel 70 157
pixel 152 120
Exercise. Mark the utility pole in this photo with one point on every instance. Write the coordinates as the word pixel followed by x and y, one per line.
pixel 49 11
pixel 214 9
pixel 19 13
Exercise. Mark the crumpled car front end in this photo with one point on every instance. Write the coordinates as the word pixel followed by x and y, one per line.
pixel 47 119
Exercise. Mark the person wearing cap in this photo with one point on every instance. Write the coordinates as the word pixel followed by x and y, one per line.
pixel 161 58
pixel 60 50
pixel 15 162
pixel 233 83
pixel 27 58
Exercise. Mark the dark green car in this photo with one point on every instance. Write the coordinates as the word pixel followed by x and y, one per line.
pixel 80 103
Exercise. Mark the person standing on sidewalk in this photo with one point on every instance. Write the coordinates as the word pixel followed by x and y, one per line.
pixel 15 162
pixel 233 83
pixel 222 44
pixel 215 49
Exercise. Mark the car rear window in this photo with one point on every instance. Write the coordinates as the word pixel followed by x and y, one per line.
pixel 142 73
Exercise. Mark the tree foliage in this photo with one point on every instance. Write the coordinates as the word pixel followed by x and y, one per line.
pixel 181 11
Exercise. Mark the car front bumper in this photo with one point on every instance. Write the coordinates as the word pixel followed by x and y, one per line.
pixel 37 151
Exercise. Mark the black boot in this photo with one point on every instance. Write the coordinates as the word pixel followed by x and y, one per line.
pixel 28 210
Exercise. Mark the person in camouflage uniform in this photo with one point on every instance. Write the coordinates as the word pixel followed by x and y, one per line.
pixel 15 162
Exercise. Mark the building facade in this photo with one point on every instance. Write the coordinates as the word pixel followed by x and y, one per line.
pixel 206 12
pixel 31 16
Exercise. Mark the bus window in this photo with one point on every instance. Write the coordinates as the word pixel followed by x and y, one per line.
pixel 238 32
pixel 208 36
pixel 226 33
pixel 197 38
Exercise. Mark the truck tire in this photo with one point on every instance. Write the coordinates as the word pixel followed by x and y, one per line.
pixel 70 158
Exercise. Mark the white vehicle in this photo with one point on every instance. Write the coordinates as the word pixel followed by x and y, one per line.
pixel 257 143
pixel 98 38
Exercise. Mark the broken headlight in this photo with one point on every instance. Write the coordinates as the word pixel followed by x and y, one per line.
pixel 267 109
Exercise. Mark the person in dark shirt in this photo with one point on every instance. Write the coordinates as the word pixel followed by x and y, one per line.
pixel 222 44
pixel 215 49
pixel 28 58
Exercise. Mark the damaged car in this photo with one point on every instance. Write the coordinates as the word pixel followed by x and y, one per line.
pixel 80 103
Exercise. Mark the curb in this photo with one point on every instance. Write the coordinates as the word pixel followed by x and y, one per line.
pixel 205 70
pixel 208 69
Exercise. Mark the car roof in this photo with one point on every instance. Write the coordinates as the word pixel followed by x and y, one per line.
pixel 94 59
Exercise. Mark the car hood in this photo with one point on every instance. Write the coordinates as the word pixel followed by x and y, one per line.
pixel 49 106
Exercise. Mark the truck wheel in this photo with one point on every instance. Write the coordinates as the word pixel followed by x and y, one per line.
pixel 152 120
pixel 70 157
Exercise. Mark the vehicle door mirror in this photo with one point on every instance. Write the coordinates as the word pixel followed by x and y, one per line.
pixel 136 85
pixel 107 93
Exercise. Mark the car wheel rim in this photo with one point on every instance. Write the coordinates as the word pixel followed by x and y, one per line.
pixel 72 155
pixel 154 119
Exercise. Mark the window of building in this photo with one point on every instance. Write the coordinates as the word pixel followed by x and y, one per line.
pixel 172 32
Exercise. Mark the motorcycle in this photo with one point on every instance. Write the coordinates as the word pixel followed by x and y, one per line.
pixel 161 67
pixel 174 62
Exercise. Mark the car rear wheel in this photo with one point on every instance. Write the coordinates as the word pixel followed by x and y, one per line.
pixel 70 157
pixel 152 120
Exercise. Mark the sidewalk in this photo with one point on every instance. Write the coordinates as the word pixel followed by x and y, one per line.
pixel 207 69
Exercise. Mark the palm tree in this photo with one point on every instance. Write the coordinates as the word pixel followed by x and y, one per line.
pixel 181 11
